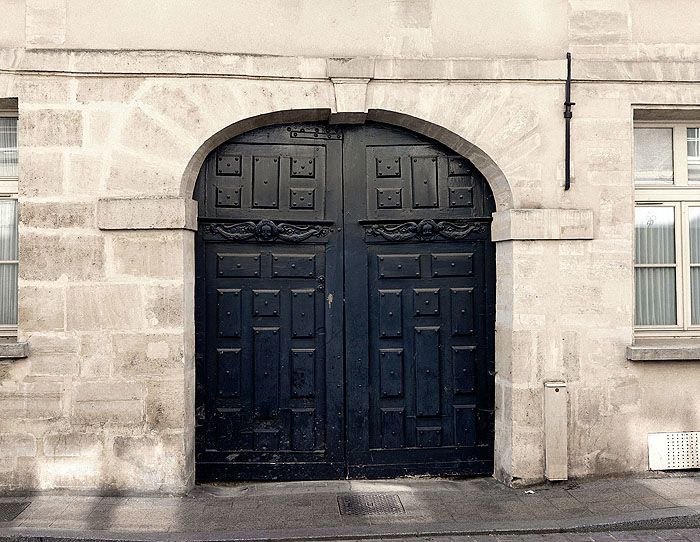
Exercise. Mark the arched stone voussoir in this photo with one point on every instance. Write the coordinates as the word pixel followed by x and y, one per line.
pixel 483 162
pixel 203 107
pixel 189 177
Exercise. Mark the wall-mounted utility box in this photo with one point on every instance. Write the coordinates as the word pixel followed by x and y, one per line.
pixel 556 431
pixel 674 451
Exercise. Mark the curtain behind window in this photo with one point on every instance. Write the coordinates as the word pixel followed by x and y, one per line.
pixel 8 271
pixel 655 285
pixel 8 147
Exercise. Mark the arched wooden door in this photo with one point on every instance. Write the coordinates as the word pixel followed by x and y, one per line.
pixel 345 297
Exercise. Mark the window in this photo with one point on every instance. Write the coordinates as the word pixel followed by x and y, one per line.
pixel 667 228
pixel 8 223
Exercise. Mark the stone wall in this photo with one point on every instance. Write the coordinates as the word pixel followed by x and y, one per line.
pixel 110 145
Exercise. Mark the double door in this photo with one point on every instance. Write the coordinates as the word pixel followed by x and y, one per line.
pixel 345 307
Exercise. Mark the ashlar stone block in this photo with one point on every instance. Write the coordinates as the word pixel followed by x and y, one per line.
pixel 50 256
pixel 149 136
pixel 104 306
pixel 57 214
pixel 164 306
pixel 43 90
pixel 41 173
pixel 96 355
pixel 107 89
pixel 165 405
pixel 130 174
pixel 85 173
pixel 32 409
pixel 147 254
pixel 17 445
pixel 50 127
pixel 144 354
pixel 73 444
pixel 108 390
pixel 46 22
pixel 97 413
pixel 53 364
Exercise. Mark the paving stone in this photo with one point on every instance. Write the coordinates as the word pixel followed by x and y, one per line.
pixel 622 535
pixel 576 537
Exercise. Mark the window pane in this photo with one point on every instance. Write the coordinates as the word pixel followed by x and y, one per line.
pixel 654 233
pixel 8 229
pixel 694 155
pixel 653 155
pixel 655 303
pixel 694 225
pixel 8 294
pixel 695 295
pixel 8 147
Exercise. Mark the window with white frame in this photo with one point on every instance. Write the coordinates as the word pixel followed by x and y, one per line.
pixel 667 228
pixel 8 223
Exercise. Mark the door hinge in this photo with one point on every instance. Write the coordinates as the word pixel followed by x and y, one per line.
pixel 314 132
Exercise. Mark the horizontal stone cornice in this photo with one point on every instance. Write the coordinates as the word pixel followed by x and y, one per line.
pixel 542 224
pixel 191 63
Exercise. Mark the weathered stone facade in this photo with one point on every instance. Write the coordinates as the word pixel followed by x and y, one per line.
pixel 114 127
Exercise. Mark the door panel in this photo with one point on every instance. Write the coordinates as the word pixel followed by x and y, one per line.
pixel 419 308
pixel 345 307
pixel 269 374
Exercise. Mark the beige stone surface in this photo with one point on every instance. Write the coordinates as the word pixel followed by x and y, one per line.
pixel 45 22
pixel 103 306
pixel 363 27
pixel 52 215
pixel 149 354
pixel 12 32
pixel 540 224
pixel 51 128
pixel 17 445
pixel 111 142
pixel 149 254
pixel 61 256
pixel 41 174
pixel 73 444
pixel 42 308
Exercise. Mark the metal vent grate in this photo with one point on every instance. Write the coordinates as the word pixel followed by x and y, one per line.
pixel 371 504
pixel 671 451
pixel 10 510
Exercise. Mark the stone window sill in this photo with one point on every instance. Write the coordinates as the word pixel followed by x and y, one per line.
pixel 664 350
pixel 13 350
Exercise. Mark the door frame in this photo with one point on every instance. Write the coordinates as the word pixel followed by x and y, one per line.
pixel 504 199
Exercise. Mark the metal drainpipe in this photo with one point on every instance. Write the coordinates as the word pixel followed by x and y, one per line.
pixel 567 116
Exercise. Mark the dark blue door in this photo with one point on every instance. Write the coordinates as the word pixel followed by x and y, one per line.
pixel 419 306
pixel 345 307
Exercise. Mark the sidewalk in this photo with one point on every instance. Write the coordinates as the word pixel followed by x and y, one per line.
pixel 311 511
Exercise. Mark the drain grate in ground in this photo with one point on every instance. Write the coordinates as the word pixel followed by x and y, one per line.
pixel 10 510
pixel 370 504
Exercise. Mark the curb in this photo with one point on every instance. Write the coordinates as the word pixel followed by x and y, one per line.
pixel 682 519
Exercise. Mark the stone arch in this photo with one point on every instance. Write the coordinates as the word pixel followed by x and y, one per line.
pixel 484 163
pixel 492 172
